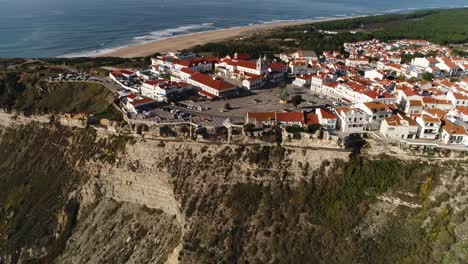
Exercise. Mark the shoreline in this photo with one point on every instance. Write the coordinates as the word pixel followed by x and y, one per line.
pixel 186 41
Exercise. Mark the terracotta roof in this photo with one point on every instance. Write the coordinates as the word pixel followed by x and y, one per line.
pixel 431 100
pixel 312 119
pixel 155 82
pixel 327 114
pixel 262 116
pixel 430 119
pixel 290 117
pixel 462 110
pixel 436 112
pixel 207 94
pixel 143 101
pixel 376 106
pixel 277 65
pixel 415 103
pixel 453 129
pixel 117 72
pixel 188 71
pixel 460 96
pixel 397 120
pixel 216 84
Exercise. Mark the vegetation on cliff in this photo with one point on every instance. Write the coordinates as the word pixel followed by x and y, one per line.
pixel 313 220
pixel 40 168
pixel 28 92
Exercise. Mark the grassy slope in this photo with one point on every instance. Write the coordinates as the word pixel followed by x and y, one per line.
pixel 26 92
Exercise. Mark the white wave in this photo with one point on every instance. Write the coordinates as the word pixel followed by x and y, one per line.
pixel 90 53
pixel 157 35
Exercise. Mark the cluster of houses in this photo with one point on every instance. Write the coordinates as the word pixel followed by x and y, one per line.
pixel 422 99
pixel 178 72
pixel 367 82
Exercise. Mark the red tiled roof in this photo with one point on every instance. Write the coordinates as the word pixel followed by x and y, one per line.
pixel 312 119
pixel 427 118
pixel 290 117
pixel 262 116
pixel 117 72
pixel 188 71
pixel 460 96
pixel 436 112
pixel 277 65
pixel 376 106
pixel 453 129
pixel 213 83
pixel 155 82
pixel 143 101
pixel 327 114
pixel 462 110
pixel 207 94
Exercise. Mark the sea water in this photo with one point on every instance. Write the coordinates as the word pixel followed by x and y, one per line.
pixel 51 28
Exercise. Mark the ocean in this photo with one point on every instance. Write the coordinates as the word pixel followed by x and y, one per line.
pixel 71 28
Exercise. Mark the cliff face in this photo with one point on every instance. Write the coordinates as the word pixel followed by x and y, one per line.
pixel 78 196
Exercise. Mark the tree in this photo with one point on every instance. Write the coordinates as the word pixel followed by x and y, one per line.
pixel 427 76
pixel 283 95
pixel 227 106
pixel 296 100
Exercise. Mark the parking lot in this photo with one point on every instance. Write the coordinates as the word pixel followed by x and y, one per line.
pixel 213 113
pixel 262 101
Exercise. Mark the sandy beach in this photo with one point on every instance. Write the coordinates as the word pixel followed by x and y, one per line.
pixel 190 40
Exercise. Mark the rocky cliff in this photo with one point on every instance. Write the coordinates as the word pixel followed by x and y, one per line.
pixel 70 195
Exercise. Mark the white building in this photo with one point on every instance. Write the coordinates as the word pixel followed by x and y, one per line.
pixel 376 113
pixel 351 120
pixel 354 62
pixel 454 134
pixel 399 127
pixel 303 80
pixel 326 118
pixel 161 89
pixel 457 99
pixel 374 74
pixel 429 126
pixel 212 87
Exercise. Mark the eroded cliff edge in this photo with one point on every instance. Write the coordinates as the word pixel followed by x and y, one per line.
pixel 72 195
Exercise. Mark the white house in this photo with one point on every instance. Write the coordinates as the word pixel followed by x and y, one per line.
pixel 303 80
pixel 424 62
pixel 454 134
pixel 351 120
pixel 326 118
pixel 376 113
pixel 429 126
pixel 457 99
pixel 212 87
pixel 374 75
pixel 399 127
pixel 136 103
pixel 354 62
pixel 414 107
pixel 448 66
pixel 162 89
pixel 459 113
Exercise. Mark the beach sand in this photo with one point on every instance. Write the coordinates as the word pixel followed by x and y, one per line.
pixel 189 40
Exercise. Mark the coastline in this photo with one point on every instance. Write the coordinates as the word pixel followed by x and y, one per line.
pixel 186 41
